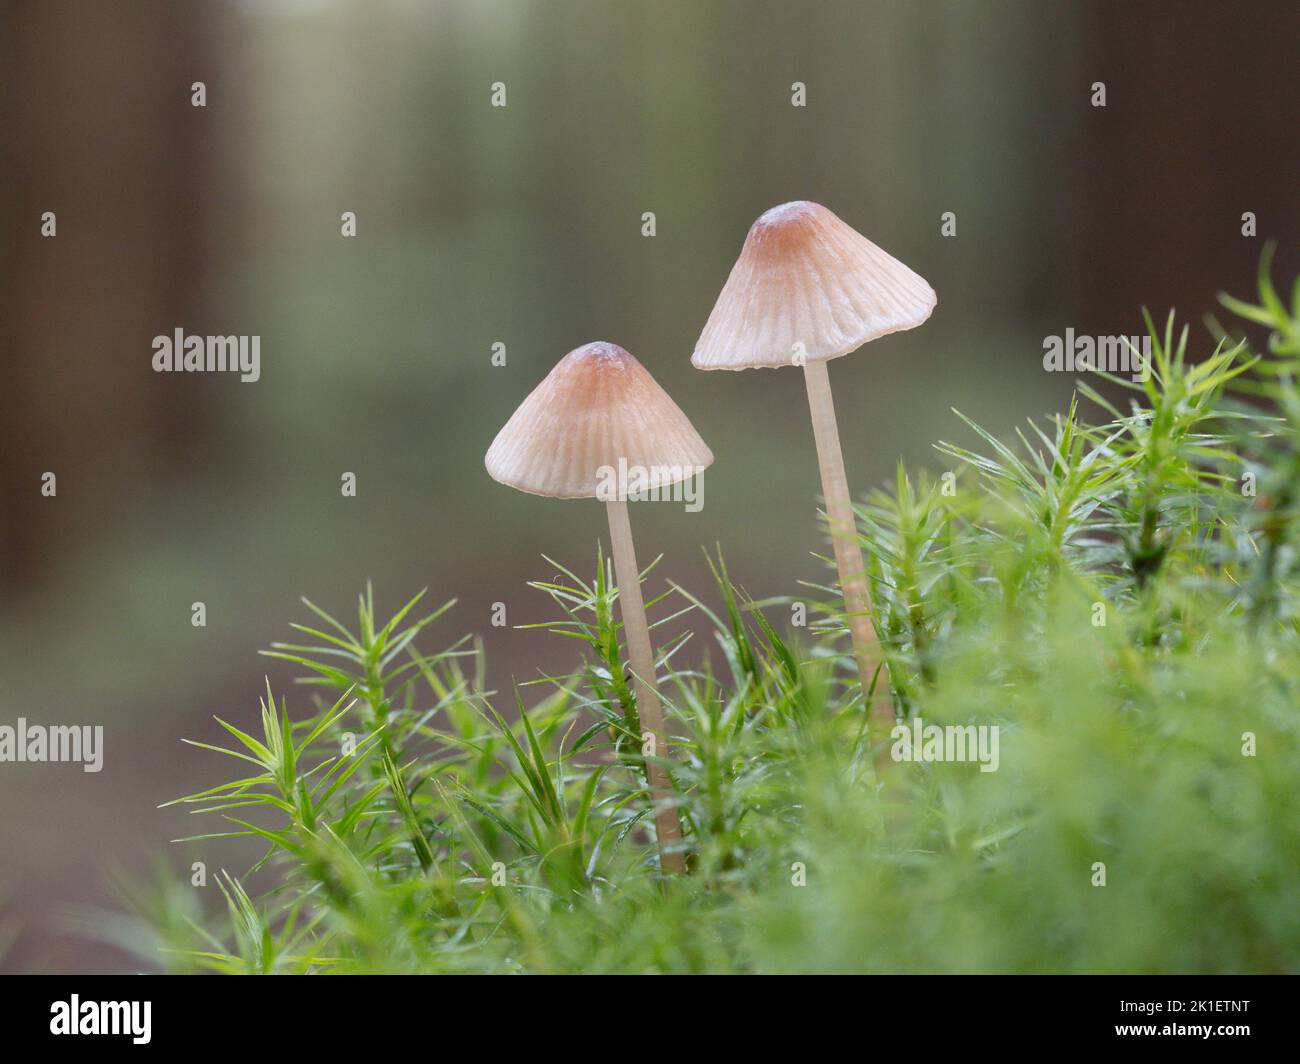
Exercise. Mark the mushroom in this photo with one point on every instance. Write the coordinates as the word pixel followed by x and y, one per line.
pixel 808 288
pixel 599 426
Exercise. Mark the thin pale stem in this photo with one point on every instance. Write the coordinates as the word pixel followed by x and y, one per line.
pixel 844 537
pixel 649 710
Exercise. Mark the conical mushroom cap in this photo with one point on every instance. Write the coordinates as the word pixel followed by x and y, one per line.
pixel 598 411
pixel 806 278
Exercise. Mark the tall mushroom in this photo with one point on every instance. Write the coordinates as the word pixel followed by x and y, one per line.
pixel 599 426
pixel 808 288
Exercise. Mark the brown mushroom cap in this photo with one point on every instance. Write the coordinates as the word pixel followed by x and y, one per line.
pixel 597 408
pixel 806 278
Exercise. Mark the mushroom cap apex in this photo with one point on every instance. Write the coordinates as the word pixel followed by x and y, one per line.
pixel 599 349
pixel 786 213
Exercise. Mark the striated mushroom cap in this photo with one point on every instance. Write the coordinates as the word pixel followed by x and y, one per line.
pixel 598 411
pixel 805 277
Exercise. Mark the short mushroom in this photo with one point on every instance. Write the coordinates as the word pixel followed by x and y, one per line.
pixel 599 426
pixel 808 288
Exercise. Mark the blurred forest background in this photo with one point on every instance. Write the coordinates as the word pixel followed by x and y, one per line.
pixel 520 225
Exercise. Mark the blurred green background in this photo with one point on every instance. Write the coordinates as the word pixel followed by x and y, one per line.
pixel 520 225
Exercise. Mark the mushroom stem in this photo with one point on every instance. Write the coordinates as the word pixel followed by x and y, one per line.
pixel 641 655
pixel 844 536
